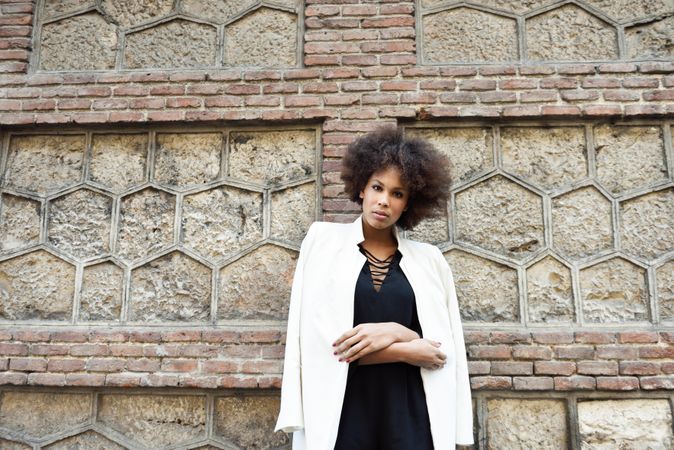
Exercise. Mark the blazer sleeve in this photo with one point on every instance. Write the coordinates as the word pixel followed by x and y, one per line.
pixel 464 408
pixel 291 415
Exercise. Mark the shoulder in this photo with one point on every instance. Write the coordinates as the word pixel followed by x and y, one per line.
pixel 422 248
pixel 324 231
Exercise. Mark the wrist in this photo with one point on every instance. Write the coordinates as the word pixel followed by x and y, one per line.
pixel 404 334
pixel 402 352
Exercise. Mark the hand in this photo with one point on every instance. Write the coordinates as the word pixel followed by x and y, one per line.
pixel 424 353
pixel 370 337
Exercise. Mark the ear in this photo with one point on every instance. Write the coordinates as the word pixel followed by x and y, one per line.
pixel 362 194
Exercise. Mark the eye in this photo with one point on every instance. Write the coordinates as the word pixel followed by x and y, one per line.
pixel 376 187
pixel 399 194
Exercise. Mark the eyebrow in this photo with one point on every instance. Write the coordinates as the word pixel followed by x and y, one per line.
pixel 400 188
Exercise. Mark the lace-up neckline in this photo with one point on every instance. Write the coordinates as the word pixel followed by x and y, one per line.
pixel 379 268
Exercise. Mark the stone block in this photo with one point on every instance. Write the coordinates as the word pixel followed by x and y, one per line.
pixel 130 13
pixel 652 40
pixel 248 421
pixel 57 7
pixel 118 161
pixel 173 287
pixel 220 11
pixel 664 277
pixel 44 163
pixel 629 10
pixel 293 210
pixel 265 37
pixel 433 230
pixel 19 222
pixel 36 285
pixel 101 293
pixel 257 286
pixel 89 440
pixel 487 291
pixel 67 44
pixel 468 35
pixel 510 6
pixel 549 292
pixel 526 424
pixel 13 445
pixel 634 423
pixel 647 225
pixel 221 222
pixel 187 159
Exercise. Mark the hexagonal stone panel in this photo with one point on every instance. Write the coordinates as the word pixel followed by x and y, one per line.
pixel 272 157
pixel 38 414
pixel 633 423
pixel 101 292
pixel 221 222
pixel 57 7
pixel 154 420
pixel 569 33
pixel 248 421
pixel 664 282
pixel 468 35
pixel 257 286
pixel 79 223
pixel 581 223
pixel 487 291
pixel 500 215
pixel 614 291
pixel 547 157
pixel 145 223
pixel 36 285
pixel 130 13
pixel 629 10
pixel 293 210
pixel 89 440
pixel 219 11
pixel 469 149
pixel 531 424
pixel 118 161
pixel 647 224
pixel 13 445
pixel 44 163
pixel 173 287
pixel 67 44
pixel 434 230
pixel 510 6
pixel 629 157
pixel 549 292
pixel 19 222
pixel 186 159
pixel 176 44
pixel 265 37
pixel 653 40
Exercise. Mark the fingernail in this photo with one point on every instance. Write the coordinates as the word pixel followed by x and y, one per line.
pixel 334 344
pixel 334 353
pixel 348 360
pixel 340 360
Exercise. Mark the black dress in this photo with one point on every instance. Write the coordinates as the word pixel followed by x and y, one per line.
pixel 385 404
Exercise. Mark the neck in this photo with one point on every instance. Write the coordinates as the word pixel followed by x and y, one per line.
pixel 373 236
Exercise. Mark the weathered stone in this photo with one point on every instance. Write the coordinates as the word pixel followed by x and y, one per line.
pixel 569 33
pixel 176 44
pixel 272 157
pixel 501 216
pixel 101 293
pixel 510 6
pixel 154 420
pixel 653 40
pixel 664 277
pixel 173 287
pixel 58 7
pixel 549 292
pixel 526 424
pixel 292 212
pixel 44 163
pixel 186 159
pixel 89 440
pixel 67 44
pixel 487 291
pixel 79 223
pixel 468 35
pixel 36 285
pixel 130 13
pixel 38 414
pixel 470 150
pixel 209 447
pixel 118 161
pixel 19 222
pixel 266 37
pixel 629 10
pixel 257 286
pixel 248 421
pixel 13 445
pixel 220 11
pixel 221 222
pixel 628 424
pixel 614 291
pixel 433 230
pixel 647 224
pixel 146 223
pixel 581 223
pixel 629 157
pixel 548 157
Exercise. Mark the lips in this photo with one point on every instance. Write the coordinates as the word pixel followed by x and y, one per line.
pixel 380 215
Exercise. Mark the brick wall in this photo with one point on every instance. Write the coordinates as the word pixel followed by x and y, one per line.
pixel 599 358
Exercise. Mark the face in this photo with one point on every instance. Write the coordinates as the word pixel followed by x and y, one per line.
pixel 385 198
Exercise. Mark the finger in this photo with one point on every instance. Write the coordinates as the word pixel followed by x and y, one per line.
pixel 344 336
pixel 353 350
pixel 363 352
pixel 348 343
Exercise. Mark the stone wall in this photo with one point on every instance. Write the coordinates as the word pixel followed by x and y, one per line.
pixel 161 160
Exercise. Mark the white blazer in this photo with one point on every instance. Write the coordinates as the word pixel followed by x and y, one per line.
pixel 321 309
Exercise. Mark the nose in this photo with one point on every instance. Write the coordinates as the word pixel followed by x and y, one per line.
pixel 383 200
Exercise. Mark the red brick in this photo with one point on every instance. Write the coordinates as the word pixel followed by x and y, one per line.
pixel 323 87
pixel 89 350
pixel 341 73
pixel 144 336
pixel 142 365
pixel 200 382
pixel 360 113
pixel 86 118
pixel 667 367
pixel 489 351
pixel 65 365
pixel 29 336
pixel 324 35
pixel 621 96
pixel 602 110
pixel 511 368
pixel 49 349
pixel 396 85
pixel 108 336
pixel 331 47
pixel 653 351
pixel 26 19
pixel 321 60
pixel 179 365
pixel 538 96
pixel 667 81
pixel 85 379
pixel 617 67
pixel 576 69
pixel 388 22
pixel 122 380
pixel 554 368
pixel 74 103
pixel 458 97
pixel 160 380
pixel 657 382
pixel 130 91
pixel 273 115
pixel 561 111
pixel 379 99
pixel 600 82
pixel 396 59
pixel 497 70
pixel 238 382
pixel 52 118
pixel 355 86
pixel 417 72
pixel 379 72
pixel 11 31
pixel 597 367
pixel 574 352
pixel 574 383
pixel 359 10
pixel 281 88
pixel 106 365
pixel 23 93
pixel 657 67
pixel 215 366
pixel 642 82
pixel 28 364
pixel 480 111
pixel 639 368
pixel 17 379
pixel 388 46
pixel 638 337
pixel 5 335
pixel 126 350
pixel 79 78
pixel 579 95
pixel 116 116
pixel 147 103
pixel 10 105
pixel 533 383
pixel 397 32
pixel 187 76
pixel 667 336
pixel 359 60
pixel 531 352
pixel 440 85
pixel 397 111
pixel 183 102
pixel 537 70
pixel 46 379
pixel 616 352
pixel 40 105
pixel 418 98
pixel 220 336
pixel 302 100
pixel 517 83
pixel 321 10
pixel 143 77
pixel 490 383
pixel 223 101
pixel 617 383
pixel 224 75
pixel 553 337
pixel 644 110
pixel 4 363
pixel 242 89
pixel 660 95
pixel 199 350
pixel 311 113
pixel 479 367
pixel 509 337
pixel 263 100
pixel 165 116
pixel 16 119
pixel 358 35
pixel 44 78
pixel 477 85
pixel 258 75
pixel 498 97
pixel 521 111
pixel 13 349
pixel 594 337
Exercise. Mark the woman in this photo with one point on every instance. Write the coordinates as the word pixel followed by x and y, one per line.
pixel 375 357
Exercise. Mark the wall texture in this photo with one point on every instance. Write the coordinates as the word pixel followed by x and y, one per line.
pixel 161 160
